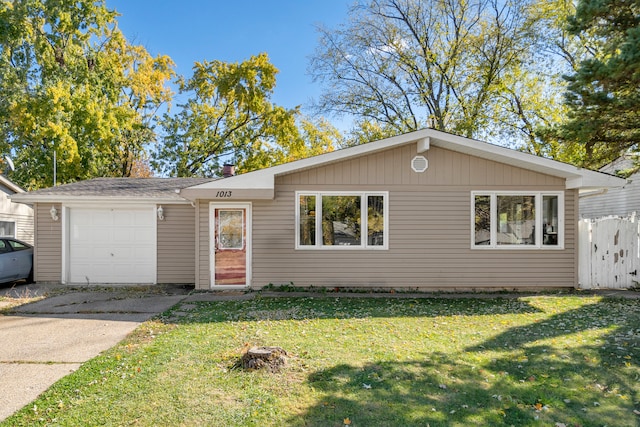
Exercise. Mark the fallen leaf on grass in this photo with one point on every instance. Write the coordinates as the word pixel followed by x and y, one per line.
pixel 347 421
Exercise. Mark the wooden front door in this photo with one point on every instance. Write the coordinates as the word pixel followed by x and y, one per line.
pixel 231 253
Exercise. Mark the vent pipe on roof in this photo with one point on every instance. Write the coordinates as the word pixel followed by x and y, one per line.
pixel 228 170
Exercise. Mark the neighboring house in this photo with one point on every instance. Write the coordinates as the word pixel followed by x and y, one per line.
pixel 621 201
pixel 426 210
pixel 16 219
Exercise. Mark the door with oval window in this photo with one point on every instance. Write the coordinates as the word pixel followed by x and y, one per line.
pixel 230 229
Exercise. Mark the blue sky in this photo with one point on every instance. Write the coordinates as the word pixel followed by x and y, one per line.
pixel 232 31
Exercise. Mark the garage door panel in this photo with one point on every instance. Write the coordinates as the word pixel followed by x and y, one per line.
pixel 99 218
pixel 112 245
pixel 144 234
pixel 124 236
pixel 125 254
pixel 124 217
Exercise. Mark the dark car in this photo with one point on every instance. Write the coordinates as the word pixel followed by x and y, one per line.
pixel 16 260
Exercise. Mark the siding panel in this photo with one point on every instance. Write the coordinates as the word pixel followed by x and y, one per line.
pixel 203 272
pixel 48 244
pixel 176 245
pixel 21 215
pixel 429 228
pixel 617 201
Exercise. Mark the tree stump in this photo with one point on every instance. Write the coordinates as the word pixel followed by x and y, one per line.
pixel 272 358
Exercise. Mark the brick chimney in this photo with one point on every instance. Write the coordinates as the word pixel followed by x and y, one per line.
pixel 228 170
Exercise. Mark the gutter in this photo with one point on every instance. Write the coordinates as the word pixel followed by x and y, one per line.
pixel 593 193
pixel 26 198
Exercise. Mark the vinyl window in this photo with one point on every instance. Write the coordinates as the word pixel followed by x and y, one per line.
pixel 341 220
pixel 510 220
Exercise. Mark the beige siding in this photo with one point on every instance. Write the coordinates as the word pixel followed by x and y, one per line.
pixel 48 244
pixel 176 245
pixel 202 239
pixel 429 228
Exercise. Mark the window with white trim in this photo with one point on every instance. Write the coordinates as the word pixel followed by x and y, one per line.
pixel 526 220
pixel 341 220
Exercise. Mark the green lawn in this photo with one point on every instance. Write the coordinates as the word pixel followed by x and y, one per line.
pixel 553 360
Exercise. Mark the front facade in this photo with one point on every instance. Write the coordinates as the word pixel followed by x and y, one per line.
pixel 425 210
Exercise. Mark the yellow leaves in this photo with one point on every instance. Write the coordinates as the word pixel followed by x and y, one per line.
pixel 147 77
pixel 84 92
pixel 347 422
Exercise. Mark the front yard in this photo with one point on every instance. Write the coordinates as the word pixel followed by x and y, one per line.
pixel 552 360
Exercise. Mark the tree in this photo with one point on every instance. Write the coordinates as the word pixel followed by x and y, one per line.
pixel 70 83
pixel 533 92
pixel 229 117
pixel 400 65
pixel 603 94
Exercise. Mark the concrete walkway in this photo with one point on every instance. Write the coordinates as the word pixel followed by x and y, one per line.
pixel 48 339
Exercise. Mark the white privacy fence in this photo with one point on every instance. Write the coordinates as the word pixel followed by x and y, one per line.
pixel 609 252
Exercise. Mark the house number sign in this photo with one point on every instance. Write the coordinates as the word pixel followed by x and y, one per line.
pixel 224 193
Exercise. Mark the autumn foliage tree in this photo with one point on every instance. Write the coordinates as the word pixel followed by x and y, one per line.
pixel 229 117
pixel 401 65
pixel 70 83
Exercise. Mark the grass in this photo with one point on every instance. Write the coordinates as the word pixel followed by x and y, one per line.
pixel 551 360
pixel 12 299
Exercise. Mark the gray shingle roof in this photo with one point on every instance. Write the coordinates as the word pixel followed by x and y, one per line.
pixel 122 187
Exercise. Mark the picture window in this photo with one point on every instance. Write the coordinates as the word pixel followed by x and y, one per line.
pixel 517 220
pixel 331 220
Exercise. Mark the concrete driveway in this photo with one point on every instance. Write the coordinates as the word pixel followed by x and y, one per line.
pixel 48 339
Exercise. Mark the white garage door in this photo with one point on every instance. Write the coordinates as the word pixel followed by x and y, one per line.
pixel 112 245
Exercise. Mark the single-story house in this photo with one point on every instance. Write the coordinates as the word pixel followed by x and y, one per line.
pixel 16 219
pixel 621 201
pixel 423 210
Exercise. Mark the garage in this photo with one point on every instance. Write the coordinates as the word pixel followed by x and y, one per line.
pixel 111 245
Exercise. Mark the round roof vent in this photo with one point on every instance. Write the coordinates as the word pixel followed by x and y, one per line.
pixel 419 164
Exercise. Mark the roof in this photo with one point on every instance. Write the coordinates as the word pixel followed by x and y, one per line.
pixel 99 189
pixel 620 164
pixel 261 184
pixel 10 184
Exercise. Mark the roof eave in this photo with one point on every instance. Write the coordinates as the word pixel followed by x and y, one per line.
pixel 10 184
pixel 26 198
pixel 576 178
pixel 262 182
